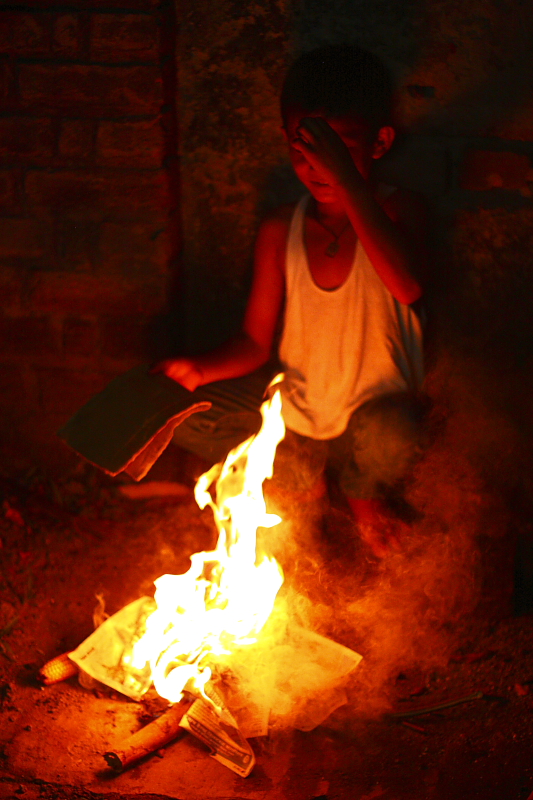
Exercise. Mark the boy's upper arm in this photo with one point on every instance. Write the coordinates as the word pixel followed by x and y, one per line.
pixel 268 287
pixel 409 212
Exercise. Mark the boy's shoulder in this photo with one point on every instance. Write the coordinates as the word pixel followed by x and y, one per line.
pixel 274 230
pixel 271 242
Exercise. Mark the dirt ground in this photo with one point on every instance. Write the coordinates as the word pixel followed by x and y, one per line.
pixel 63 542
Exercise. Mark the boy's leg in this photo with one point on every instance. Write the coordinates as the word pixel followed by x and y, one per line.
pixel 232 418
pixel 297 493
pixel 382 442
pixel 299 467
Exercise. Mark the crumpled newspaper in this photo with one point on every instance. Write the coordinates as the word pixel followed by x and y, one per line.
pixel 102 655
pixel 290 678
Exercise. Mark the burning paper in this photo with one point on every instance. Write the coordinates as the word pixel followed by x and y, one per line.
pixel 223 600
pixel 102 654
pixel 219 731
pixel 228 594
pixel 209 620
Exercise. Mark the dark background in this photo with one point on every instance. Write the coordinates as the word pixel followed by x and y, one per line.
pixel 140 145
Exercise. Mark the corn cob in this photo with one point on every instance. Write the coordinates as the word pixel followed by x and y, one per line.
pixel 57 669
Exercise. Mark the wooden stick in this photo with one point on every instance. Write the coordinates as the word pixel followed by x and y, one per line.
pixel 429 709
pixel 150 738
pixel 57 669
pixel 412 726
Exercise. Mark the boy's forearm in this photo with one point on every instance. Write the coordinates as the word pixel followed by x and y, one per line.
pixel 384 243
pixel 239 356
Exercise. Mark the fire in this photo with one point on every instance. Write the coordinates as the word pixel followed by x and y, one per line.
pixel 227 595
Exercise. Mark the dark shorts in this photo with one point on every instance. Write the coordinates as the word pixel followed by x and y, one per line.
pixel 382 441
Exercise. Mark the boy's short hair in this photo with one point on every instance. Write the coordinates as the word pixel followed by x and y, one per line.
pixel 339 80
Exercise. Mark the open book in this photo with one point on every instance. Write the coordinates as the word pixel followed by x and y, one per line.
pixel 126 427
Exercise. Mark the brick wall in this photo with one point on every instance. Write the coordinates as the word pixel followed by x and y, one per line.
pixel 88 203
pixel 89 177
pixel 232 57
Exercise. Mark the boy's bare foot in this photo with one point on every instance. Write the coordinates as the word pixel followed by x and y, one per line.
pixel 382 539
pixel 378 529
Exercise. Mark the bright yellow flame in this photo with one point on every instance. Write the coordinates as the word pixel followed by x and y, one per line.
pixel 228 594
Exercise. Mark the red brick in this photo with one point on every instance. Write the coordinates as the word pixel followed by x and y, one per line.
pixel 516 124
pixel 94 195
pixel 120 37
pixel 92 5
pixel 12 390
pixel 9 192
pixel 76 139
pixel 65 391
pixel 94 89
pixel 11 287
pixel 124 337
pixel 67 35
pixel 80 336
pixel 77 244
pixel 130 143
pixel 7 82
pixel 27 336
pixel 25 34
pixel 24 238
pixel 26 138
pixel 133 249
pixel 86 295
pixel 486 169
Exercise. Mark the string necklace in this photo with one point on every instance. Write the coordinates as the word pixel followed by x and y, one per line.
pixel 333 247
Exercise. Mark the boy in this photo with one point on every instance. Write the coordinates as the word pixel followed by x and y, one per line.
pixel 344 263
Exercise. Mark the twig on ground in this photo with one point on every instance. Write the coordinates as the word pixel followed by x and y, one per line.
pixel 429 709
pixel 412 726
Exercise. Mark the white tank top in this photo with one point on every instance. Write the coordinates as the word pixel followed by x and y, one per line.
pixel 341 347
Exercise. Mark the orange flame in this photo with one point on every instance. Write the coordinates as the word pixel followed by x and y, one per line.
pixel 228 594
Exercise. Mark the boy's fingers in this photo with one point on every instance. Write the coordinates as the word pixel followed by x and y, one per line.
pixel 315 125
pixel 163 366
pixel 305 148
pixel 320 129
pixel 303 138
pixel 172 369
pixel 306 130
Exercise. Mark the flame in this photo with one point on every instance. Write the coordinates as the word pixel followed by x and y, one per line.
pixel 228 593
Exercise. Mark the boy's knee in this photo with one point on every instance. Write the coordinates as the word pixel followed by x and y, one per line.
pixel 394 419
pixel 387 437
pixel 300 462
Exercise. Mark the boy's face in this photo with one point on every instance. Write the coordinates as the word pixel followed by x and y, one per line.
pixel 363 145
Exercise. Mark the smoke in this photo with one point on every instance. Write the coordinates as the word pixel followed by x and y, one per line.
pixel 410 611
